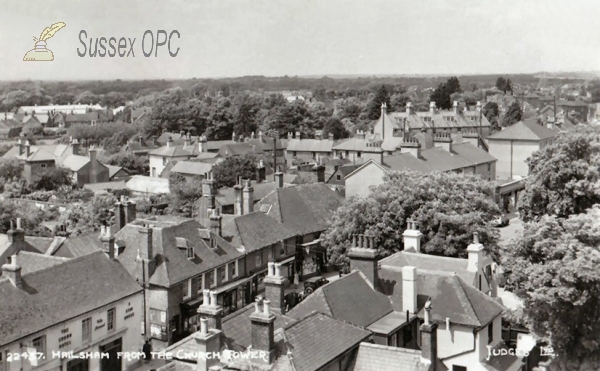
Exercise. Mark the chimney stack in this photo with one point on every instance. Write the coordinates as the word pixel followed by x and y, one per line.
pixel 170 142
pixel 432 108
pixel 210 309
pixel 261 172
pixel 108 241
pixel 202 144
pixel 475 252
pixel 125 212
pixel 409 108
pixel 478 107
pixel 263 332
pixel 208 341
pixel 248 197
pixel 364 258
pixel 412 236
pixel 409 289
pixel 13 271
pixel 207 201
pixel 261 136
pixel 411 146
pixel 443 140
pixel 239 198
pixel 320 171
pixel 21 147
pixel 16 235
pixel 27 148
pixel 215 222
pixel 146 253
pixel 456 107
pixel 279 179
pixel 274 290
pixel 429 339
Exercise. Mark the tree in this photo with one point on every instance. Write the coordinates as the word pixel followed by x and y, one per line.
pixel 448 207
pixel 553 267
pixel 441 95
pixel 563 178
pixel 373 108
pixel 501 83
pixel 87 217
pixel 10 169
pixel 491 111
pixel 335 126
pixel 52 178
pixel 227 171
pixel 185 193
pixel 132 163
pixel 513 115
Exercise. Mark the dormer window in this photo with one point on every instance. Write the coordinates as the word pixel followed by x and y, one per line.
pixel 190 253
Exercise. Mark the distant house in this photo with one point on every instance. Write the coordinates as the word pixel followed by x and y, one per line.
pixel 338 178
pixel 161 157
pixel 309 150
pixel 146 185
pixel 425 153
pixel 141 147
pixel 138 112
pixel 10 128
pixel 117 173
pixel 191 170
pixel 86 169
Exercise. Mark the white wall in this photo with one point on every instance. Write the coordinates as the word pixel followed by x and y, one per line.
pixel 358 184
pixel 511 157
pixel 129 330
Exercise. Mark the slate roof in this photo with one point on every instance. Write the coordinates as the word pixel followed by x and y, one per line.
pixel 237 326
pixel 8 249
pixel 310 145
pixel 172 264
pixel 524 131
pixel 237 149
pixel 226 196
pixel 75 162
pixel 452 296
pixel 359 144
pixel 61 292
pixel 32 262
pixel 41 155
pixel 170 151
pixel 77 246
pixel 113 170
pixel 318 339
pixel 304 208
pixel 350 299
pixel 375 357
pixel 191 168
pixel 256 230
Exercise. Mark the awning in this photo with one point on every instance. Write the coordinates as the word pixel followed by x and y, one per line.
pixel 232 285
pixel 311 243
pixel 194 302
pixel 288 260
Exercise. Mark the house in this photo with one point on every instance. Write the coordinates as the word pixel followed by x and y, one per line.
pixel 309 150
pixel 138 112
pixel 15 242
pixel 210 146
pixel 304 209
pixel 74 108
pixel 9 127
pixel 117 173
pixel 174 259
pixel 147 185
pixel 392 126
pixel 52 306
pixel 141 147
pixel 188 169
pixel 86 169
pixel 425 153
pixel 265 338
pixel 226 197
pixel 161 157
pixel 363 147
pixel 338 178
pixel 580 108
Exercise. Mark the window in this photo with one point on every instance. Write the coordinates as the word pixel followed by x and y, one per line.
pixel 200 288
pixel 294 153
pixel 489 166
pixel 458 368
pixel 39 344
pixel 232 270
pixel 165 161
pixel 186 289
pixel 358 154
pixel 110 319
pixel 42 165
pixel 258 261
pixel 491 333
pixel 211 279
pixel 154 172
pixel 190 253
pixel 223 275
pixel 338 177
pixel 86 330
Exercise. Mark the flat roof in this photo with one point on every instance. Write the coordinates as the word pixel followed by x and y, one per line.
pixel 389 323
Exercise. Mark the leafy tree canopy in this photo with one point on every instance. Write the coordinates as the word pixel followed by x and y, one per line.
pixel 448 208
pixel 513 115
pixel 227 171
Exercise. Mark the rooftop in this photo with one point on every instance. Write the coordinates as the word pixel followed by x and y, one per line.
pixel 374 357
pixel 524 131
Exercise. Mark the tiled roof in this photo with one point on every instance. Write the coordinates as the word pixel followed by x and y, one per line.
pixel 40 243
pixel 452 297
pixel 59 293
pixel 375 357
pixel 318 339
pixel 172 265
pixel 256 230
pixel 502 361
pixel 170 151
pixel 75 162
pixel 304 208
pixel 310 145
pixel 524 131
pixel 226 196
pixel 32 262
pixel 350 299
pixel 237 326
pixel 191 168
pixel 41 155
pixel 8 249
pixel 359 144
pixel 113 170
pixel 237 149
pixel 75 247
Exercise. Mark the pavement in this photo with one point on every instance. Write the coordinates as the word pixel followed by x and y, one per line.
pixel 510 231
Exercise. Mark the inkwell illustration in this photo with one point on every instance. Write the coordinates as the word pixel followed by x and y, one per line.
pixel 40 52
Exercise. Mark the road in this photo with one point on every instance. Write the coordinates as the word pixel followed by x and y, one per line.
pixel 510 231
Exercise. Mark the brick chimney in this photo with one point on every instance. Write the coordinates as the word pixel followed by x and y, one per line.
pixel 261 172
pixel 210 309
pixel 443 140
pixel 187 141
pixel 429 339
pixel 170 142
pixel 409 289
pixel 239 198
pixel 476 255
pixel 108 241
pixel 27 148
pixel 432 108
pixel 363 257
pixel 21 147
pixel 94 166
pixel 208 197
pixel 263 331
pixel 330 136
pixel 412 146
pixel 279 179
pixel 274 290
pixel 202 144
pixel 13 271
pixel 146 253
pixel 75 146
pixel 456 108
pixel 409 109
pixel 16 235
pixel 248 197
pixel 320 172
pixel 208 341
pixel 125 212
pixel 215 222
pixel 412 236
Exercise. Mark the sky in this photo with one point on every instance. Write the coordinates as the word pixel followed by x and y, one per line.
pixel 230 38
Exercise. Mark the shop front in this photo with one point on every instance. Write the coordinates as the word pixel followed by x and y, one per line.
pixel 189 315
pixel 311 259
pixel 288 268
pixel 258 283
pixel 234 296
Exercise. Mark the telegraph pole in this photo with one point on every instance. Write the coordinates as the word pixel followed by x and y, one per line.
pixel 275 135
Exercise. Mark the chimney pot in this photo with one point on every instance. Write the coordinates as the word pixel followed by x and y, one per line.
pixel 278 269
pixel 266 309
pixel 271 270
pixel 18 223
pixel 213 298
pixel 257 303
pixel 203 326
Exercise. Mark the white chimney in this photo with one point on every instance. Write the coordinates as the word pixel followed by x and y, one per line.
pixel 409 289
pixel 475 252
pixel 412 236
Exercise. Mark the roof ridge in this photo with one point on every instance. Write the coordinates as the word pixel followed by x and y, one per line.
pixel 44 255
pixel 70 261
pixel 462 287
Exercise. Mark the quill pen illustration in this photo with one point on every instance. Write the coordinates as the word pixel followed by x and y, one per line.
pixel 50 31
